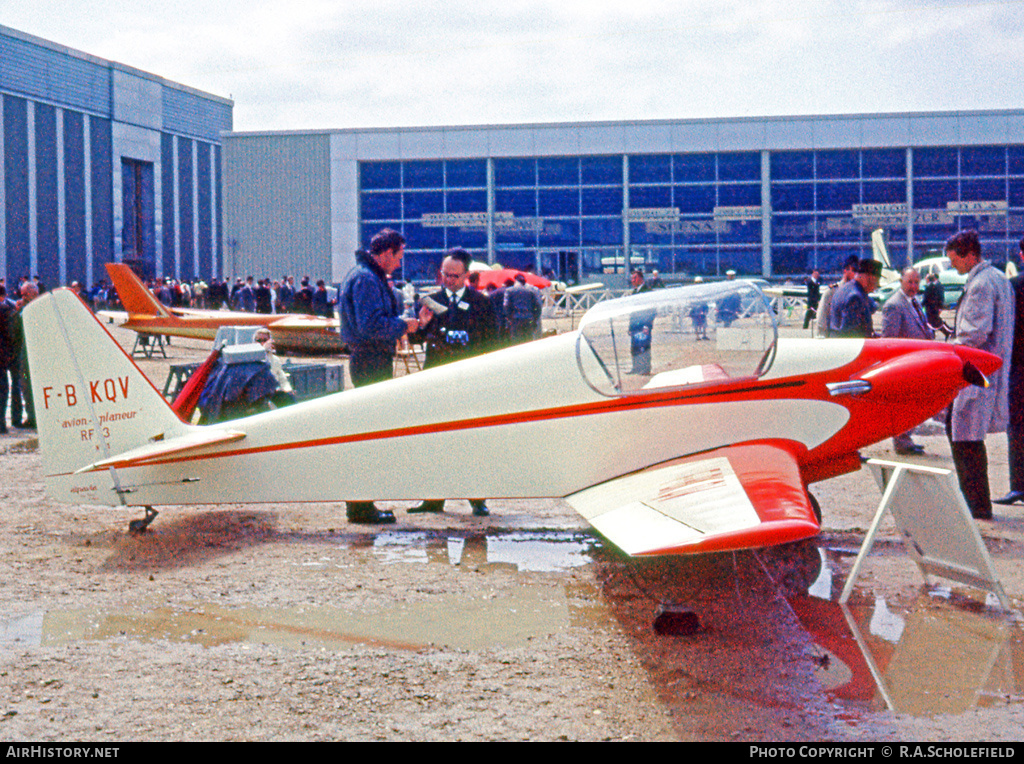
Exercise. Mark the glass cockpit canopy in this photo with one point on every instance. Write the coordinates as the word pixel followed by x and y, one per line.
pixel 664 338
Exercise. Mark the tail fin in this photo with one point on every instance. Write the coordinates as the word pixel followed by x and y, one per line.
pixel 879 249
pixel 91 401
pixel 135 297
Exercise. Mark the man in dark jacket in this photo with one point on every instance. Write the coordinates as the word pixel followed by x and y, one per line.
pixel 1015 426
pixel 303 302
pixel 850 313
pixel 8 359
pixel 641 324
pixel 286 297
pixel 29 291
pixel 813 283
pixel 523 304
pixel 263 297
pixel 321 302
pixel 468 327
pixel 933 301
pixel 371 324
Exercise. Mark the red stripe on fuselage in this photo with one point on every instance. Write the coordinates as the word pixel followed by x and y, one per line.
pixel 739 390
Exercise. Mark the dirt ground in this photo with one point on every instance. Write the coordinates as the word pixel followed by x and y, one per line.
pixel 284 622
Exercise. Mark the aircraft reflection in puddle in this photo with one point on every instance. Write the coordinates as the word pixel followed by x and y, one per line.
pixel 459 621
pixel 526 552
pixel 945 653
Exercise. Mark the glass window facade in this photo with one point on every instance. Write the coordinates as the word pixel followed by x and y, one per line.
pixel 435 204
pixel 690 214
pixel 825 204
pixel 696 214
pixel 558 215
pixel 969 187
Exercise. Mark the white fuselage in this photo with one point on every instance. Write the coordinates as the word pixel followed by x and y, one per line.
pixel 516 423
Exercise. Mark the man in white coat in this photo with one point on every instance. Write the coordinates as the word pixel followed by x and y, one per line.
pixel 984 320
pixel 903 316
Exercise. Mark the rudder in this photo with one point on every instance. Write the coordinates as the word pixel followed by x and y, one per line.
pixel 134 296
pixel 91 400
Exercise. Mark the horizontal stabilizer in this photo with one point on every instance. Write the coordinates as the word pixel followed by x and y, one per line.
pixel 154 452
pixel 737 497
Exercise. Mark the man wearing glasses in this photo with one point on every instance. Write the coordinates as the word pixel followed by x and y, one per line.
pixel 462 325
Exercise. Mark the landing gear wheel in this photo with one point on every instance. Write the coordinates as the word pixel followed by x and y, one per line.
pixel 815 506
pixel 136 527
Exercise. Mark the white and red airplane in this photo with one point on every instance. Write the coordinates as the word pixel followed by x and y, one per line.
pixel 664 443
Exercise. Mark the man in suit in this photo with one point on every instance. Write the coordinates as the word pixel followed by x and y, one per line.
pixel 29 292
pixel 321 302
pixel 641 324
pixel 903 316
pixel 303 300
pixel 467 327
pixel 263 298
pixel 1015 427
pixel 933 301
pixel 287 295
pixel 247 296
pixel 522 308
pixel 9 347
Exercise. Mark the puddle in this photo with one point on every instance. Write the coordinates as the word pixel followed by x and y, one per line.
pixel 548 552
pixel 944 651
pixel 458 621
pixel 931 652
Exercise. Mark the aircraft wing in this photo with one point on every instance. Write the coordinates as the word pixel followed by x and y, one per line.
pixel 736 497
pixel 179 446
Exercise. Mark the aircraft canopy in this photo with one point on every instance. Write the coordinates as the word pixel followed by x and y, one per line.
pixel 691 335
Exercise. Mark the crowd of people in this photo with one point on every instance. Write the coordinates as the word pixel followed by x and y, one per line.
pixel 248 295
pixel 516 304
pixel 515 307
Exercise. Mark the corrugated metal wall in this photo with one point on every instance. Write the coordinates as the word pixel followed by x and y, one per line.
pixel 277 200
pixel 49 74
pixel 190 114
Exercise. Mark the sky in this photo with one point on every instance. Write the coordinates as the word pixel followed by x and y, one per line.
pixel 314 64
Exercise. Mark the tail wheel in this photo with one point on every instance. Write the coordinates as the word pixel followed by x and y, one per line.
pixel 139 526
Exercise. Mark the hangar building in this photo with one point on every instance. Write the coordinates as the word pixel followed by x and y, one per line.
pixel 103 162
pixel 773 196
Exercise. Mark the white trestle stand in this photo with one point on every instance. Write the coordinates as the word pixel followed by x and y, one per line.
pixel 935 524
